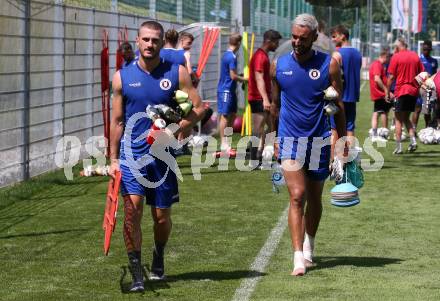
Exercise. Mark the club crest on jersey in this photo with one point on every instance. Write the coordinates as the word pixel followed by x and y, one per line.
pixel 165 84
pixel 314 74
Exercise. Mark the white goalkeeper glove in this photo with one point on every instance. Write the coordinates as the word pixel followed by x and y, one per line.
pixel 421 77
pixel 330 93
pixel 336 170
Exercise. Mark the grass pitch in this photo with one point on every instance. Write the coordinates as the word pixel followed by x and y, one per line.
pixel 386 248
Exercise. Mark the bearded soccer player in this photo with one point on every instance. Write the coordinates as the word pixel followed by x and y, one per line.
pixel 149 81
pixel 299 79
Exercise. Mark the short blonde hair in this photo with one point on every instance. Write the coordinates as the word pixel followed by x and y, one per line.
pixel 306 20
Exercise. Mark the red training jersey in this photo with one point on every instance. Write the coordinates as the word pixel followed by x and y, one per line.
pixel 259 63
pixel 405 65
pixel 377 68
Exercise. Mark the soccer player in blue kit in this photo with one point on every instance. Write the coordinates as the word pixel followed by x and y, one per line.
pixel 226 91
pixel 169 52
pixel 148 82
pixel 299 79
pixel 350 60
pixel 431 65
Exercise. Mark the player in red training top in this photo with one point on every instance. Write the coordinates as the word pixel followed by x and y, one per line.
pixel 404 67
pixel 260 89
pixel 378 90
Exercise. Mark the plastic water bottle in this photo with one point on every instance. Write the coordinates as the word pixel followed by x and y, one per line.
pixel 277 177
pixel 158 124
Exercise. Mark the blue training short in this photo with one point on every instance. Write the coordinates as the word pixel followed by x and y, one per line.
pixel 419 102
pixel 156 171
pixel 226 102
pixel 350 116
pixel 316 157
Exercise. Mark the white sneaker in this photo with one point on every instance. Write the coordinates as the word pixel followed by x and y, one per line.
pixel 378 139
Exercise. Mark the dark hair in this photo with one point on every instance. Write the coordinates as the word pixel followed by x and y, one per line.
pixel 184 35
pixel 321 25
pixel 427 43
pixel 271 35
pixel 234 39
pixel 153 25
pixel 341 30
pixel 171 36
pixel 125 46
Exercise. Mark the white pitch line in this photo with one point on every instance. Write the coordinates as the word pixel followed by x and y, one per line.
pixel 363 85
pixel 248 285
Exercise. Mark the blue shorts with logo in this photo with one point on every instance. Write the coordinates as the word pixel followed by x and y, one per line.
pixel 226 102
pixel 316 157
pixel 156 181
pixel 350 116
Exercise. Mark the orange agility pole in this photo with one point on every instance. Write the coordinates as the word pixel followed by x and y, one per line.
pixel 111 210
pixel 105 89
pixel 209 39
pixel 122 37
pixel 213 38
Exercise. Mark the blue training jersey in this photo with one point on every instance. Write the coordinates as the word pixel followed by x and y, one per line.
pixel 140 89
pixel 126 64
pixel 351 68
pixel 229 62
pixel 302 97
pixel 174 56
pixel 430 64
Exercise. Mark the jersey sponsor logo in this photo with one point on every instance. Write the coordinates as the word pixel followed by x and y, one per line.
pixel 288 72
pixel 165 84
pixel 135 85
pixel 314 74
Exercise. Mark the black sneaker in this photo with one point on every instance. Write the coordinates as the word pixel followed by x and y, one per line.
pixel 157 267
pixel 412 147
pixel 138 278
pixel 137 287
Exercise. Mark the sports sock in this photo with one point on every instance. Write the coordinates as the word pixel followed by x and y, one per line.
pixel 308 246
pixel 298 263
pixel 159 248
pixel 413 140
pixel 134 257
pixel 224 147
pixel 398 145
pixel 374 132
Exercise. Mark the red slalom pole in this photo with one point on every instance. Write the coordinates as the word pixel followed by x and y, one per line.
pixel 105 89
pixel 111 210
pixel 119 56
pixel 208 49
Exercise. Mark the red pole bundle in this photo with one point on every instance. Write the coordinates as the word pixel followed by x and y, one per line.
pixel 209 39
pixel 105 89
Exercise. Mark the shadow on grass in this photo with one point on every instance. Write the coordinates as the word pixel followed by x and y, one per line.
pixel 425 165
pixel 331 262
pixel 125 280
pixel 37 234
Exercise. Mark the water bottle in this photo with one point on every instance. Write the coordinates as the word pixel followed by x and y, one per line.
pixel 277 177
pixel 158 124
